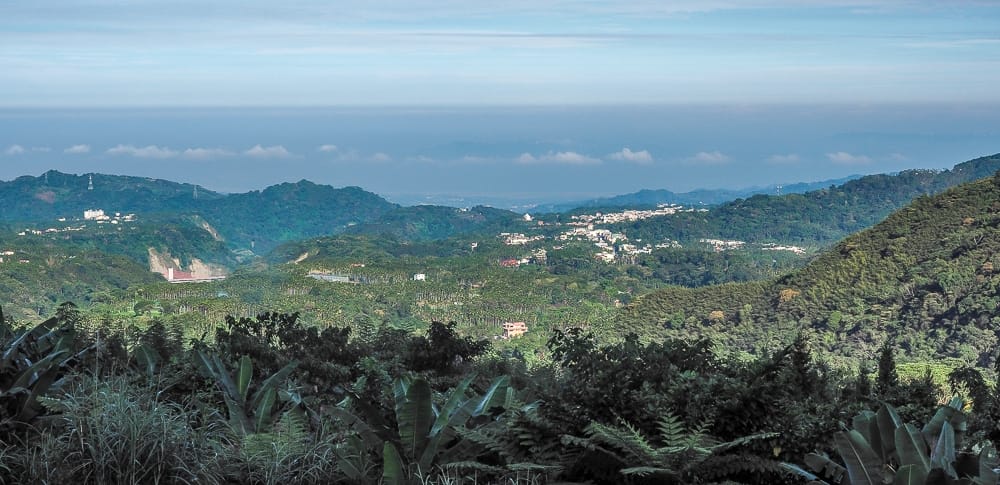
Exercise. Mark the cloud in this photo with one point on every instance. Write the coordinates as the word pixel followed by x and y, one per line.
pixel 709 158
pixel 848 159
pixel 525 158
pixel 381 157
pixel 327 148
pixel 568 158
pixel 41 149
pixel 14 150
pixel 150 151
pixel 783 159
pixel 206 153
pixel 276 151
pixel 77 149
pixel 899 157
pixel 627 155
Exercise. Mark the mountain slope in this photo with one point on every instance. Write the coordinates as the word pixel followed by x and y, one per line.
pixel 649 197
pixel 818 217
pixel 927 277
pixel 291 211
pixel 428 222
pixel 55 194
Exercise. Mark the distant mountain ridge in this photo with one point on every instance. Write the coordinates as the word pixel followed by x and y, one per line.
pixel 651 197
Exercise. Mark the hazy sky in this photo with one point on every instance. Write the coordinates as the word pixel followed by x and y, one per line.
pixel 321 52
pixel 539 99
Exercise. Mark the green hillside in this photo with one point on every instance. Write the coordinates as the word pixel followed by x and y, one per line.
pixel 924 277
pixel 428 222
pixel 648 197
pixel 291 211
pixel 54 194
pixel 817 217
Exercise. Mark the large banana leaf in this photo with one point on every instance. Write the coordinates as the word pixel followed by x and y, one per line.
pixel 910 475
pixel 414 415
pixel 943 456
pixel 911 448
pixel 866 423
pixel 243 377
pixel 953 415
pixel 459 411
pixel 393 472
pixel 864 467
pixel 888 421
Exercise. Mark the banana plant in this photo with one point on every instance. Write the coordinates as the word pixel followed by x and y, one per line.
pixel 248 413
pixel 426 432
pixel 881 449
pixel 425 435
pixel 31 362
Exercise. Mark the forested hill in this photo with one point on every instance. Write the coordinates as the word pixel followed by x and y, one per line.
pixel 263 219
pixel 926 277
pixel 427 222
pixel 818 217
pixel 648 197
pixel 55 194
pixel 291 211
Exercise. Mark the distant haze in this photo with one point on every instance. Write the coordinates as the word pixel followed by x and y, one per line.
pixel 537 154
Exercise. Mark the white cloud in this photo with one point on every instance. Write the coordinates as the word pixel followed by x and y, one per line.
pixel 381 157
pixel 568 158
pixel 14 150
pixel 206 153
pixel 525 158
pixel 327 148
pixel 784 159
pixel 627 155
pixel 899 157
pixel 848 159
pixel 709 158
pixel 475 159
pixel 150 151
pixel 77 149
pixel 276 151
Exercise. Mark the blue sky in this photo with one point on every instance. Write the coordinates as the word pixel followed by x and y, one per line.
pixel 530 99
pixel 388 52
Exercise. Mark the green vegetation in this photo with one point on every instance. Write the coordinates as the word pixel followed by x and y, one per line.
pixel 817 217
pixel 269 400
pixel 329 361
pixel 922 279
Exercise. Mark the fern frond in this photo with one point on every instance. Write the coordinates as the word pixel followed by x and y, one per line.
pixel 643 471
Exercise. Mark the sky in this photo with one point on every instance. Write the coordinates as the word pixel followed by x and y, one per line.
pixel 522 98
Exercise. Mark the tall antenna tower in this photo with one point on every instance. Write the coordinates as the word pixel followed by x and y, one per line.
pixel 195 191
pixel 90 183
pixel 777 189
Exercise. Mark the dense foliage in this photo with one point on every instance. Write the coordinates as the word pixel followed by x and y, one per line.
pixel 269 400
pixel 924 279
pixel 822 216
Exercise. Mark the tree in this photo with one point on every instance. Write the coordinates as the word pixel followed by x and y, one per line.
pixel 888 378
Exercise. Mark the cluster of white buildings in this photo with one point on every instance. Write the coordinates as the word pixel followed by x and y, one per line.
pixel 518 239
pixel 723 245
pixel 96 215
pixel 630 215
pixel 777 247
pixel 102 218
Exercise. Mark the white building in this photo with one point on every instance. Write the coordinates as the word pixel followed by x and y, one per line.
pixel 95 215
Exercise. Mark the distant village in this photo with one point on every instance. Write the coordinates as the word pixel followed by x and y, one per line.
pixel 96 215
pixel 614 246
